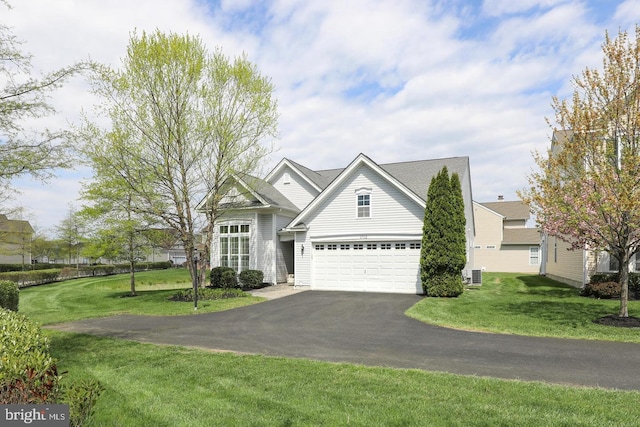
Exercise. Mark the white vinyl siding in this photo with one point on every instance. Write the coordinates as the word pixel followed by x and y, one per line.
pixel 266 255
pixel 395 213
pixel 294 187
pixel 380 256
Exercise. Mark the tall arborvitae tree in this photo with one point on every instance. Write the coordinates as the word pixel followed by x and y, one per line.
pixel 458 254
pixel 443 254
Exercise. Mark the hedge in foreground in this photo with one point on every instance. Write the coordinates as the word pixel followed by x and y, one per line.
pixel 28 373
pixel 208 294
pixel 9 295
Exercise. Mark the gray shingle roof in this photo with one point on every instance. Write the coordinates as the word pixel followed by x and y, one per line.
pixel 521 236
pixel 510 210
pixel 267 192
pixel 415 175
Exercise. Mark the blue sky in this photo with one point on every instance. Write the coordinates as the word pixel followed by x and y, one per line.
pixel 398 80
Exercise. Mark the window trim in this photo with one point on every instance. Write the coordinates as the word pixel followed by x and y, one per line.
pixel 537 255
pixel 364 192
pixel 241 232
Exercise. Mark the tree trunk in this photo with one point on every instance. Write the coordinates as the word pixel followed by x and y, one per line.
pixel 624 284
pixel 132 277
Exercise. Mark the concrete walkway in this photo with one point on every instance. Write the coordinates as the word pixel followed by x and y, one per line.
pixel 371 329
pixel 277 291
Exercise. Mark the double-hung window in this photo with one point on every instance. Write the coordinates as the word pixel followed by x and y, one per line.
pixel 534 255
pixel 234 246
pixel 363 203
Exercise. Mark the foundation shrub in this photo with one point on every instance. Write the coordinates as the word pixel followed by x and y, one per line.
pixel 602 290
pixel 251 279
pixel 9 295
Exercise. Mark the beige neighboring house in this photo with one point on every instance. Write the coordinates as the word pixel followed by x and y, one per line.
pixel 15 241
pixel 503 243
pixel 575 267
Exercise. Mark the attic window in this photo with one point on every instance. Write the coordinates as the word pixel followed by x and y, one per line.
pixel 286 179
pixel 363 203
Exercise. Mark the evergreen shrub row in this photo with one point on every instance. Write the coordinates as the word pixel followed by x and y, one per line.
pixel 9 295
pixel 226 278
pixel 39 277
pixel 208 294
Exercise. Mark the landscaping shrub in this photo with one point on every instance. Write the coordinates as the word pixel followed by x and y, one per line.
pixel 209 294
pixel 606 277
pixel 444 285
pixel 229 279
pixel 251 279
pixel 81 398
pixel 603 290
pixel 9 295
pixel 634 283
pixel 28 373
pixel 223 277
pixel 30 278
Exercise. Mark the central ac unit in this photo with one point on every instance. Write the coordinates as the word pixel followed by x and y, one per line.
pixel 476 277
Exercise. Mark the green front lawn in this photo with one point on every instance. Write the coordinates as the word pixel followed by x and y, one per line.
pixel 109 296
pixel 148 385
pixel 511 303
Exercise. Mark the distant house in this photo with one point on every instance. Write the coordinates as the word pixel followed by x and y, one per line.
pixel 503 243
pixel 357 228
pixel 167 247
pixel 15 241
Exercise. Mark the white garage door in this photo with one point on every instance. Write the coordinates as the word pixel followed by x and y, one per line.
pixel 372 267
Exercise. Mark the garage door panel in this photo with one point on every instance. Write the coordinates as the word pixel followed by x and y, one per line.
pixel 376 267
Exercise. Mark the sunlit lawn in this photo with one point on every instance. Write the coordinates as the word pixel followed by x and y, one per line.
pixel 148 385
pixel 526 305
pixel 108 296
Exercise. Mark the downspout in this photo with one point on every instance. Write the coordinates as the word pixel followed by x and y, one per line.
pixel 275 247
pixel 584 267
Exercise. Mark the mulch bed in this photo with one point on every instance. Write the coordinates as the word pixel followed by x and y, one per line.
pixel 620 322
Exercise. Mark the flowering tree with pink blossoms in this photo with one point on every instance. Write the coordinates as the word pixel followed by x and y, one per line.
pixel 587 188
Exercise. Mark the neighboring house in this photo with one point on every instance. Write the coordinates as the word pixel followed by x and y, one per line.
pixel 575 267
pixel 503 243
pixel 15 241
pixel 358 228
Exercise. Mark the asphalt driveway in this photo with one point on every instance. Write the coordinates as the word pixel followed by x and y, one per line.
pixel 371 329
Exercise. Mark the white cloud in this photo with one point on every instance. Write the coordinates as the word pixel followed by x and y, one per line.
pixel 397 80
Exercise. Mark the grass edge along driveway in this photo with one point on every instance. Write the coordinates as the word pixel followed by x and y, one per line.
pixel 530 305
pixel 150 385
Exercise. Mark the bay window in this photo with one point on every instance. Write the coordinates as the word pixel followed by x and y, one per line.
pixel 234 246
